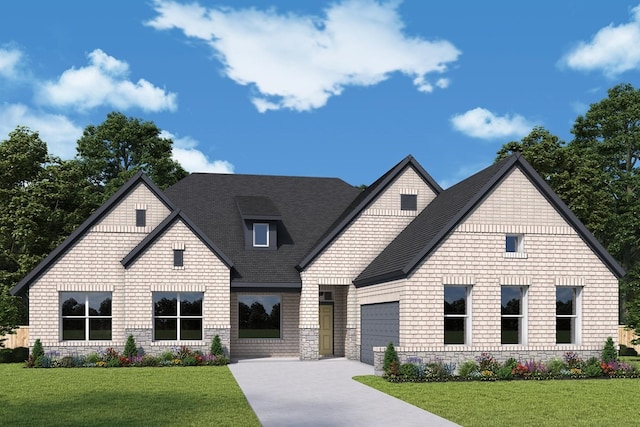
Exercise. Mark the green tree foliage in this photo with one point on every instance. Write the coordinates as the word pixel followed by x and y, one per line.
pixel 216 346
pixel 9 314
pixel 130 348
pixel 116 149
pixel 390 357
pixel 609 352
pixel 37 350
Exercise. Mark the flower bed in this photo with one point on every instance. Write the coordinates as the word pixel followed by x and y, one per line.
pixel 486 368
pixel 131 357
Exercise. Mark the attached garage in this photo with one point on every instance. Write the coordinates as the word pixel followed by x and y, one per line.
pixel 379 325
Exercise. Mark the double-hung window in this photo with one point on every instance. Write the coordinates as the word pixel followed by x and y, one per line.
pixel 514 315
pixel 457 315
pixel 177 316
pixel 86 316
pixel 568 315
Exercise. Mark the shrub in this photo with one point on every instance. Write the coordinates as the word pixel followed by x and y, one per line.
pixel 92 358
pixel 130 348
pixel 572 360
pixel 216 346
pixel 593 371
pixel 609 352
pixel 627 351
pixel 148 360
pixel 407 371
pixel 42 362
pixel 468 369
pixel 67 362
pixel 6 355
pixel 166 356
pixel 505 372
pixel 555 367
pixel 510 363
pixel 486 363
pixel 20 354
pixel 37 350
pixel 390 356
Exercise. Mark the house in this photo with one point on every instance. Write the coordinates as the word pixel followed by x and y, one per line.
pixel 314 267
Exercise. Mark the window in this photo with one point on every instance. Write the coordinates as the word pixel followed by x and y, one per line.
pixel 408 202
pixel 178 257
pixel 456 314
pixel 514 309
pixel 85 316
pixel 261 235
pixel 177 316
pixel 513 243
pixel 568 315
pixel 259 316
pixel 141 217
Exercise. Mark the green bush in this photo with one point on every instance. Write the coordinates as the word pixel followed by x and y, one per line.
pixel 6 355
pixel 148 360
pixel 505 372
pixel 216 346
pixel 92 358
pixel 390 356
pixel 130 348
pixel 37 350
pixel 609 352
pixel 167 356
pixel 555 367
pixel 20 354
pixel 593 371
pixel 468 369
pixel 510 363
pixel 627 351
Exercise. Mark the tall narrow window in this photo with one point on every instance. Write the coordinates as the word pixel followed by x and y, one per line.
pixel 86 316
pixel 141 217
pixel 456 314
pixel 514 309
pixel 178 257
pixel 261 235
pixel 177 316
pixel 568 315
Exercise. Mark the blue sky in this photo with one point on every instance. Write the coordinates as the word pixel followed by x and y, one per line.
pixel 341 89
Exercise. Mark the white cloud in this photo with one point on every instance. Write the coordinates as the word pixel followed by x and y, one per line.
pixel 613 49
pixel 9 61
pixel 104 82
pixel 193 160
pixel 482 123
pixel 60 134
pixel 298 62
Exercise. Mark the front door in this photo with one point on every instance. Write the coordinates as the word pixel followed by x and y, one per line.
pixel 326 330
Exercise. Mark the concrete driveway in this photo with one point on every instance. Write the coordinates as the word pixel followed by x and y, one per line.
pixel 288 392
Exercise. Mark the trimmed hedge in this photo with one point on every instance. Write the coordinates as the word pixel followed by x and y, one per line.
pixel 14 355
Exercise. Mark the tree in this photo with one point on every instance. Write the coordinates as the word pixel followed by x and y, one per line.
pixel 610 133
pixel 115 150
pixel 9 314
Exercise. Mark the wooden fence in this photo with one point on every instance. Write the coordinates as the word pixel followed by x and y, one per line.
pixel 21 338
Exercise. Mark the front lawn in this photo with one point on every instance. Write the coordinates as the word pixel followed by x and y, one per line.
pixel 184 396
pixel 598 402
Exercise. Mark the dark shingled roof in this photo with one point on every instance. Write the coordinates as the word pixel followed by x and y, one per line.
pixel 363 200
pixel 416 242
pixel 305 208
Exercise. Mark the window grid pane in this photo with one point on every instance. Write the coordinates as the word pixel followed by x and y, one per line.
pixel 173 321
pixel 85 316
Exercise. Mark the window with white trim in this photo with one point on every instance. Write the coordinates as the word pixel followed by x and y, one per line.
pixel 457 314
pixel 86 316
pixel 260 235
pixel 568 314
pixel 513 315
pixel 177 316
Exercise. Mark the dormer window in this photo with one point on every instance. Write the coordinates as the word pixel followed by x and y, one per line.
pixel 260 235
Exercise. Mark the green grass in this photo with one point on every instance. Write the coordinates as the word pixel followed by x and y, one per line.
pixel 607 402
pixel 184 396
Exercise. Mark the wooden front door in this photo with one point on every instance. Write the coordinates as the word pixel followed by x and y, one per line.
pixel 326 330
